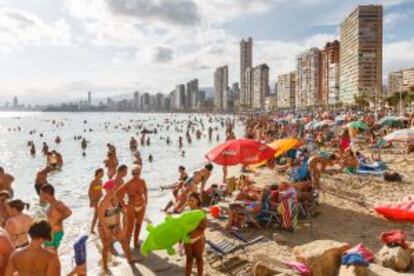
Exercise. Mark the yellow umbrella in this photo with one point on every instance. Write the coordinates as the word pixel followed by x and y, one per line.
pixel 281 146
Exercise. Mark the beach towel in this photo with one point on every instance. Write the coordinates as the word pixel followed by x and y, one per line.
pixel 286 209
pixel 394 238
pixel 361 249
pixel 80 250
pixel 301 268
pixel 353 258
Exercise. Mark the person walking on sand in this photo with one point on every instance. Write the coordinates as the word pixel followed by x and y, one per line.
pixel 95 194
pixel 110 227
pixel 34 259
pixel 137 193
pixel 194 250
pixel 18 223
pixel 56 214
pixel 6 249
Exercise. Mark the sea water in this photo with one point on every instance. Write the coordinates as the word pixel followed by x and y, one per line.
pixel 72 182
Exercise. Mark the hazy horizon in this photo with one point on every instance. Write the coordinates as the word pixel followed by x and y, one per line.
pixel 57 50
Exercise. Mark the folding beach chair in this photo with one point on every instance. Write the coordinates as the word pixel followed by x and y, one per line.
pixel 300 173
pixel 226 247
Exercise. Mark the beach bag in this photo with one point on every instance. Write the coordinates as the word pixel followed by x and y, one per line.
pixel 392 177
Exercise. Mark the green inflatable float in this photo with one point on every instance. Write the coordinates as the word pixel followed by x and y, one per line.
pixel 171 231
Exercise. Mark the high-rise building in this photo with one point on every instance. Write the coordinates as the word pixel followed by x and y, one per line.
pixel 286 90
pixel 89 98
pixel 179 98
pixel 146 102
pixel 235 88
pixel 361 54
pixel 136 102
pixel 192 94
pixel 248 93
pixel 400 81
pixel 329 75
pixel 260 86
pixel 15 102
pixel 246 61
pixel 159 102
pixel 172 100
pixel 221 86
pixel 308 79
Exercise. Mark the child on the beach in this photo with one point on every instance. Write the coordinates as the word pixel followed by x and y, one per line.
pixel 195 249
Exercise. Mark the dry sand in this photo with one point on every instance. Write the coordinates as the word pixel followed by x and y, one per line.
pixel 345 214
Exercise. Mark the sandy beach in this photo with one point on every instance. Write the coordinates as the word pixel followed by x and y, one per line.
pixel 345 214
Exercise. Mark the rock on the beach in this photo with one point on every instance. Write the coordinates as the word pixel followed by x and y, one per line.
pixel 265 269
pixel 323 257
pixel 396 258
pixel 377 270
pixel 352 270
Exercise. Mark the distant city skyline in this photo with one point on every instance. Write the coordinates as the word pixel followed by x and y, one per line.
pixel 110 47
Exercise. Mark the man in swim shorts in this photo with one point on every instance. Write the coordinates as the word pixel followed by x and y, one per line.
pixel 56 214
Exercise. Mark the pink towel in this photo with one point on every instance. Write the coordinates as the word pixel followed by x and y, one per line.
pixel 299 267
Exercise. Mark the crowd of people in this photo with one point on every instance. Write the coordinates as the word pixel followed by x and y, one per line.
pixel 118 195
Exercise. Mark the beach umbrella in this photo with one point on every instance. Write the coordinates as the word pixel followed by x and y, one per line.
pixel 281 146
pixel 324 123
pixel 240 151
pixel 357 124
pixel 402 135
pixel 311 125
pixel 389 121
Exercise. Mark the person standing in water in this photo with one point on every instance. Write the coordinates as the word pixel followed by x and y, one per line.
pixel 6 249
pixel 6 181
pixel 18 223
pixel 56 214
pixel 95 194
pixel 137 193
pixel 34 259
pixel 111 163
pixel 119 176
pixel 41 178
pixel 110 227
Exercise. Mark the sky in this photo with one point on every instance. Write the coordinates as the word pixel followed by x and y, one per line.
pixel 57 50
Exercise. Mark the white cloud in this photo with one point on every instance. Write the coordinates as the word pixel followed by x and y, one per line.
pixel 398 55
pixel 19 29
pixel 391 19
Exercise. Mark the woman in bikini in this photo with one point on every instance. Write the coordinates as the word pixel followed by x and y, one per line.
pixel 195 249
pixel 18 223
pixel 109 224
pixel 95 194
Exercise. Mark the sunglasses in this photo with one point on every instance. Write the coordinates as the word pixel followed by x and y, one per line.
pixel 135 173
pixel 5 195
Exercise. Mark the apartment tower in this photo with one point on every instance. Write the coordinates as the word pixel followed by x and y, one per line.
pixel 286 90
pixel 361 54
pixel 260 86
pixel 308 81
pixel 246 61
pixel 329 76
pixel 221 84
